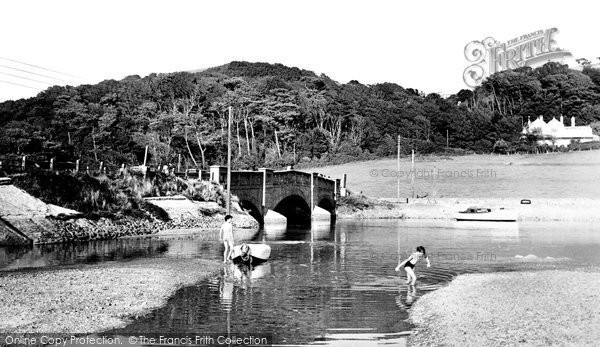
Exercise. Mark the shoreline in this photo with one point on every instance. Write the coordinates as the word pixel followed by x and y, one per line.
pixel 93 298
pixel 540 209
pixel 511 308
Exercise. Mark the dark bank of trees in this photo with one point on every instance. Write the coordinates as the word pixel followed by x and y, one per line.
pixel 285 116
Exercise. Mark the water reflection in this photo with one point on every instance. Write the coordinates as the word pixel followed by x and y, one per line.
pixel 81 253
pixel 316 281
pixel 244 272
pixel 274 231
pixel 323 283
pixel 194 243
pixel 321 230
pixel 406 296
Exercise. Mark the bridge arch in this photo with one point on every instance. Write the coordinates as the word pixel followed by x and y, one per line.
pixel 295 195
pixel 326 203
pixel 295 209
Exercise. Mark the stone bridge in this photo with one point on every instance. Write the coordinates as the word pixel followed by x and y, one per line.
pixel 279 196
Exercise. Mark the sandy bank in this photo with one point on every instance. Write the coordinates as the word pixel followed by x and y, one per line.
pixel 542 308
pixel 377 212
pixel 93 298
pixel 540 209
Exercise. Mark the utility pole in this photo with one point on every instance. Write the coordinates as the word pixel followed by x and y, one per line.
pixel 229 161
pixel 398 170
pixel 446 139
pixel 145 168
pixel 412 177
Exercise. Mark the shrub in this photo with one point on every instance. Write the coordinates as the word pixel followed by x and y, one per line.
pixel 101 195
pixel 204 191
pixel 356 201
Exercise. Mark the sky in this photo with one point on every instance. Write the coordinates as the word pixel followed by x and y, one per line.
pixel 416 44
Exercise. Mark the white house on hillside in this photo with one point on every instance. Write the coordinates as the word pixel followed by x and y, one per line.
pixel 556 133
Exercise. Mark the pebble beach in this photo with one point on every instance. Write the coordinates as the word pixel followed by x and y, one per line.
pixel 93 298
pixel 530 308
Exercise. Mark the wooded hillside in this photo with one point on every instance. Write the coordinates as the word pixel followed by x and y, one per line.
pixel 285 116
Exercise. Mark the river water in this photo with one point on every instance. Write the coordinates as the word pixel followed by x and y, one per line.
pixel 328 285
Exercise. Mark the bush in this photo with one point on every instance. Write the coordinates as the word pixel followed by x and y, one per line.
pixel 204 191
pixel 357 202
pixel 103 196
pixel 387 146
pixel 246 162
pixel 501 147
pixel 349 149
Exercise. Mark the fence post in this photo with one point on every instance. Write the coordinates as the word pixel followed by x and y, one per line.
pixel 145 168
pixel 23 163
pixel 51 164
pixel 0 164
pixel 145 155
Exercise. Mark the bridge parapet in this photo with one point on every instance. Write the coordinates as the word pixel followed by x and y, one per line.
pixel 285 191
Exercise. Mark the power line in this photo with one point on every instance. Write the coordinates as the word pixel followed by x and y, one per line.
pixel 42 68
pixel 20 85
pixel 25 78
pixel 33 73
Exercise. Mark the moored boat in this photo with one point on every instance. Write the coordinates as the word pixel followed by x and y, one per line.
pixel 486 214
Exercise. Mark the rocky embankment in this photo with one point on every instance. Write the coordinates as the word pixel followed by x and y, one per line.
pixel 25 219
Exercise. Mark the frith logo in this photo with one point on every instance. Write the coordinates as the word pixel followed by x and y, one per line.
pixel 490 56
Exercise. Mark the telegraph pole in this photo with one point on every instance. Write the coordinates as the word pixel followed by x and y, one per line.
pixel 412 177
pixel 229 161
pixel 145 168
pixel 398 170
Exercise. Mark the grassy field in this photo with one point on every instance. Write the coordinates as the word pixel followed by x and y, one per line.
pixel 553 175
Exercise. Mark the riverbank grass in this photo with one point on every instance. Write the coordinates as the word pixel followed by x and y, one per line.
pixel 544 308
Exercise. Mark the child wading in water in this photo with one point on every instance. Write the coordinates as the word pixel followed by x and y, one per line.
pixel 410 262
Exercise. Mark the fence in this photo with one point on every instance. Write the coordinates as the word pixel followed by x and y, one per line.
pixel 25 164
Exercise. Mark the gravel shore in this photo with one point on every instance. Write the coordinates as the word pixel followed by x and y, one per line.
pixel 93 298
pixel 556 307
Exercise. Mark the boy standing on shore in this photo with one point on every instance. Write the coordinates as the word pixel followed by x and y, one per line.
pixel 226 236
